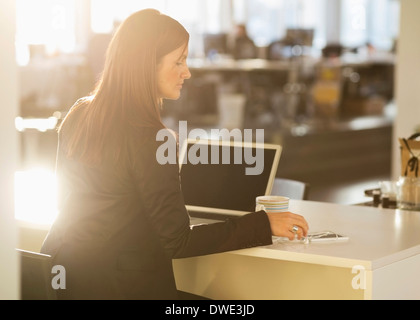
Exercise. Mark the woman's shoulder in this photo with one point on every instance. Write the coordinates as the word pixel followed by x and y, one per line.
pixel 148 141
pixel 77 108
pixel 81 103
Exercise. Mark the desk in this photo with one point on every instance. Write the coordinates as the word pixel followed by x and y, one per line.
pixel 247 65
pixel 380 261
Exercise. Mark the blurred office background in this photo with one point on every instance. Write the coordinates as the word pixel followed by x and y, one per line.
pixel 316 75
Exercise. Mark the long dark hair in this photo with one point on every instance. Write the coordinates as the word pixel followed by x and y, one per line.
pixel 126 95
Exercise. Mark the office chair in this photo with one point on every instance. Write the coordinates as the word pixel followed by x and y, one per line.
pixel 297 190
pixel 278 50
pixel 35 281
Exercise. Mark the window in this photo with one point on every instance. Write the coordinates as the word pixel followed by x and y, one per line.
pixel 353 22
pixel 361 21
pixel 198 17
pixel 373 21
pixel 48 23
pixel 105 13
pixel 267 20
pixel 52 23
pixel 383 27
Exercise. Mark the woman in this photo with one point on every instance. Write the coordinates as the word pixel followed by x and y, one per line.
pixel 122 217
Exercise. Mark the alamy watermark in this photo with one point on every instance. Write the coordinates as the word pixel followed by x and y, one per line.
pixel 167 153
pixel 359 280
pixel 59 280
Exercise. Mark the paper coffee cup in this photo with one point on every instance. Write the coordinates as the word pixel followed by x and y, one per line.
pixel 272 203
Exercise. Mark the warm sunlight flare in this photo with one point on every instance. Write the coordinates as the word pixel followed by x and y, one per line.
pixel 39 124
pixel 44 22
pixel 35 196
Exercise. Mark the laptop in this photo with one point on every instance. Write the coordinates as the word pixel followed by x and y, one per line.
pixel 221 179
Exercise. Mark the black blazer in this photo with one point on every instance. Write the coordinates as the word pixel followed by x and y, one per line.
pixel 121 224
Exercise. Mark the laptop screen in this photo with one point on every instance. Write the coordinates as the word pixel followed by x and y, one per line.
pixel 226 177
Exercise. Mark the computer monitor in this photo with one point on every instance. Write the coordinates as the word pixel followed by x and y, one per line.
pixel 217 186
pixel 215 42
pixel 300 37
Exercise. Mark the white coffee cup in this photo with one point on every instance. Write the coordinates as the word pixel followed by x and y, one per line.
pixel 272 203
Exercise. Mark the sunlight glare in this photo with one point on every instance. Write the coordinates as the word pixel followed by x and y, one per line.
pixel 44 22
pixel 36 196
pixel 41 125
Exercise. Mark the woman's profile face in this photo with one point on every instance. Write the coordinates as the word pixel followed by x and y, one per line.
pixel 172 71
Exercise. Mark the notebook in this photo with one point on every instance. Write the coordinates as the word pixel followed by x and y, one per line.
pixel 222 178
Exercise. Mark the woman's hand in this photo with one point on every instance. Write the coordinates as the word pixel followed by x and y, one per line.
pixel 282 224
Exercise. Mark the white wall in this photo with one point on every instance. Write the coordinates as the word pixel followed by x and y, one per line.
pixel 407 89
pixel 8 152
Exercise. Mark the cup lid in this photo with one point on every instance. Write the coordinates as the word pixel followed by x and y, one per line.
pixel 272 199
